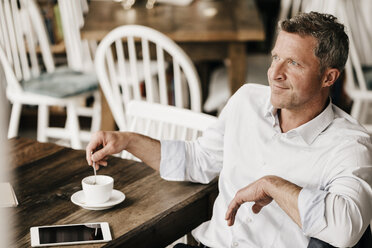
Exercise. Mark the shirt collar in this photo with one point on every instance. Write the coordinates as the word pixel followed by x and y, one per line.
pixel 310 130
pixel 270 112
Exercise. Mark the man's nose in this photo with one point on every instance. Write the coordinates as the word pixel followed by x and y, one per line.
pixel 278 71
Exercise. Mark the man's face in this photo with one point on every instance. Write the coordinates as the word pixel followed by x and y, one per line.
pixel 294 76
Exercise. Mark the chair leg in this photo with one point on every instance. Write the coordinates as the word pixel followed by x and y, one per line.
pixel 92 47
pixel 364 112
pixel 73 126
pixel 42 122
pixel 14 120
pixel 356 109
pixel 96 115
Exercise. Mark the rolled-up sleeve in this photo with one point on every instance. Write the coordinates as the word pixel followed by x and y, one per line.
pixel 196 161
pixel 340 213
pixel 173 160
pixel 311 205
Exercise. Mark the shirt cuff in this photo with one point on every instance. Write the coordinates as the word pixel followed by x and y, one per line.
pixel 311 205
pixel 173 160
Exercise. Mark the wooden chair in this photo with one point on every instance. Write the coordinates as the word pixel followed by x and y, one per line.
pixel 23 34
pixel 117 69
pixel 289 8
pixel 358 71
pixel 359 87
pixel 79 52
pixel 165 122
pixel 358 75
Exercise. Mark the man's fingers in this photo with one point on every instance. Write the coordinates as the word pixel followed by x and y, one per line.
pixel 256 208
pixel 101 163
pixel 230 209
pixel 251 193
pixel 231 212
pixel 88 155
pixel 100 155
pixel 231 219
pixel 93 145
pixel 98 162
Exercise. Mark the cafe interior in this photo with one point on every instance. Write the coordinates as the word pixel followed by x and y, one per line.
pixel 162 68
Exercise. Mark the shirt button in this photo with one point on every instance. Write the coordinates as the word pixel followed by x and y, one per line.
pixel 235 244
pixel 249 220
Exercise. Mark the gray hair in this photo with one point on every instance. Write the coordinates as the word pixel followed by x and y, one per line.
pixel 333 43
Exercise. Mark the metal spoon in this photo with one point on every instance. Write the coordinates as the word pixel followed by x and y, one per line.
pixel 94 169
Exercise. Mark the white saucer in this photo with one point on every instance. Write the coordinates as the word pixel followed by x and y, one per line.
pixel 117 197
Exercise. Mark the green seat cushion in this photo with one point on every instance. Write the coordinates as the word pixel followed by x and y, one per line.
pixel 63 82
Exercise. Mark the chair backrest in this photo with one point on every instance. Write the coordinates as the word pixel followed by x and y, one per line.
pixel 22 35
pixel 355 79
pixel 289 7
pixel 355 76
pixel 78 53
pixel 10 82
pixel 166 122
pixel 346 11
pixel 116 58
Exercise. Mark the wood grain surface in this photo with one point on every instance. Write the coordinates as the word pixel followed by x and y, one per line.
pixel 155 212
pixel 234 20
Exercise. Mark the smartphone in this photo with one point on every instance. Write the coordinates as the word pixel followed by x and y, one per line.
pixel 70 234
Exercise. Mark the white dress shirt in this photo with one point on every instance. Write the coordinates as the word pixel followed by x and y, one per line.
pixel 329 157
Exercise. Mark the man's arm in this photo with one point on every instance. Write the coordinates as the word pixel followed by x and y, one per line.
pixel 262 192
pixel 103 144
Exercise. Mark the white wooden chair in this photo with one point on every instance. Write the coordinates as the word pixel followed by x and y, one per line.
pixel 165 122
pixel 359 86
pixel 22 33
pixel 359 65
pixel 219 90
pixel 289 8
pixel 117 69
pixel 80 52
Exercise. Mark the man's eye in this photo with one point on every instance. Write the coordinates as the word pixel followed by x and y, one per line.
pixel 275 57
pixel 292 62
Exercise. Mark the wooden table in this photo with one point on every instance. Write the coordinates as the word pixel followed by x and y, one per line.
pixel 154 213
pixel 205 29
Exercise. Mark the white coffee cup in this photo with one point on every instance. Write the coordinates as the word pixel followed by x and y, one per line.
pixel 98 192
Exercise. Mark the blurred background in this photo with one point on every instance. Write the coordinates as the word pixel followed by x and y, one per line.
pixel 257 55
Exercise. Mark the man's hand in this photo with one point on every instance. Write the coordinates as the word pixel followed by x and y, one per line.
pixel 103 144
pixel 262 192
pixel 254 192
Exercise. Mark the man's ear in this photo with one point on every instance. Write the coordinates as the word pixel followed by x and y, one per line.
pixel 330 76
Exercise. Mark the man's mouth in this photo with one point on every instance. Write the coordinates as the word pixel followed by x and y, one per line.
pixel 278 87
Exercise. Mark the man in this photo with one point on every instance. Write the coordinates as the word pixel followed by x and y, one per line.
pixel 291 165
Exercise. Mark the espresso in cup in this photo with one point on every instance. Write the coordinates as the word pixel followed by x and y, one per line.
pixel 97 190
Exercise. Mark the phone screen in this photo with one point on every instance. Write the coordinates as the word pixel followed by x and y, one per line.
pixel 61 234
